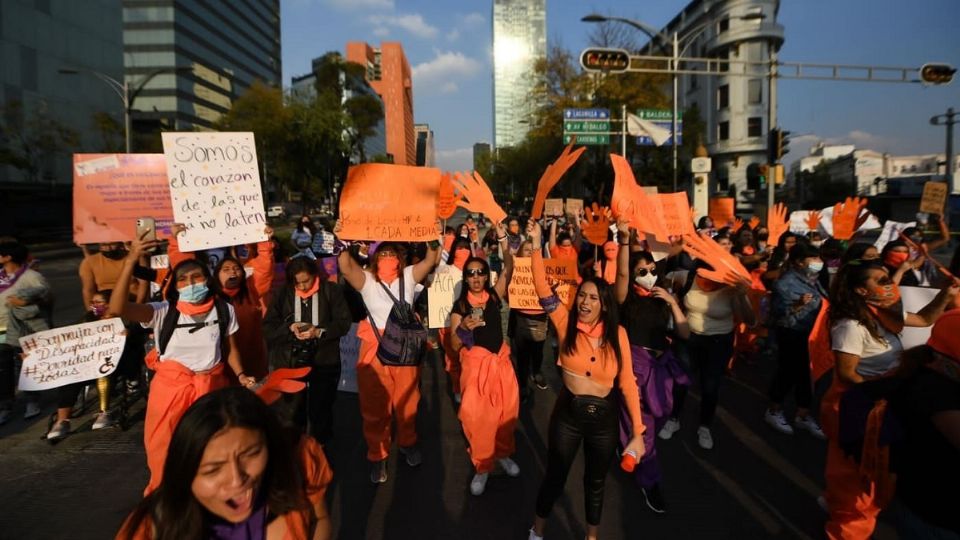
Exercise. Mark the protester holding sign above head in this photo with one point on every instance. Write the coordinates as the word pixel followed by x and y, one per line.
pixel 388 391
pixel 195 336
pixel 866 318
pixel 593 347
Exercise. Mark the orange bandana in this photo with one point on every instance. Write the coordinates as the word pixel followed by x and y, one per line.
pixel 478 300
pixel 388 268
pixel 641 292
pixel 195 309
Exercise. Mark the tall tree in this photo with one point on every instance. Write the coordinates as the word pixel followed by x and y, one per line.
pixel 30 139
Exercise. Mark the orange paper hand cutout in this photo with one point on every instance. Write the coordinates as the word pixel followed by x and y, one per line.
pixel 630 201
pixel 281 381
pixel 476 196
pixel 552 175
pixel 737 225
pixel 754 221
pixel 693 214
pixel 777 223
pixel 447 198
pixel 813 220
pixel 596 224
pixel 726 267
pixel 847 217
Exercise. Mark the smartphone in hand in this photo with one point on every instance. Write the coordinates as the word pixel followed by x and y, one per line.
pixel 147 230
pixel 477 313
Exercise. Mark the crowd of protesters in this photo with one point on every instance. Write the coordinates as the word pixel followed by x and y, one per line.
pixel 641 326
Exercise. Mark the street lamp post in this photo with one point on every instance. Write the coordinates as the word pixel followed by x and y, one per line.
pixel 123 91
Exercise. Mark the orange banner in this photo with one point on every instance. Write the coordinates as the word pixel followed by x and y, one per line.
pixel 390 202
pixel 675 212
pixel 522 293
pixel 110 191
pixel 721 211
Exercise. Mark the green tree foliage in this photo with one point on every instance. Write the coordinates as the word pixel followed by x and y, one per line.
pixel 30 139
pixel 110 132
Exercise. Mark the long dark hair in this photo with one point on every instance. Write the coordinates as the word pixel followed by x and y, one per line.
pixel 310 225
pixel 608 316
pixel 172 295
pixel 174 511
pixel 462 303
pixel 217 287
pixel 845 303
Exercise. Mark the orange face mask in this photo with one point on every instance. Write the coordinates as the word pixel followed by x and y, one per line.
pixel 388 268
pixel 884 296
pixel 895 259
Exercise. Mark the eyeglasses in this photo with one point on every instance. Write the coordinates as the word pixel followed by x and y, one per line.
pixel 474 272
pixel 643 272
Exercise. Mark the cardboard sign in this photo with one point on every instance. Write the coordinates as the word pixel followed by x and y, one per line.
pixel 675 211
pixel 446 286
pixel 553 207
pixel 914 299
pixel 934 197
pixel 349 355
pixel 215 188
pixel 891 231
pixel 721 211
pixel 523 294
pixel 110 191
pixel 71 354
pixel 574 206
pixel 390 202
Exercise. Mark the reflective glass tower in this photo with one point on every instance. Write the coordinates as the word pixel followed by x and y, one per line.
pixel 519 39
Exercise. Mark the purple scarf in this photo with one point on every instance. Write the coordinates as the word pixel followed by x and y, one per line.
pixel 254 528
pixel 655 379
pixel 7 281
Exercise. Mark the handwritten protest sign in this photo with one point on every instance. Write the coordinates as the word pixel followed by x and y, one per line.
pixel 390 202
pixel 523 294
pixel 447 283
pixel 675 212
pixel 574 206
pixel 934 197
pixel 110 191
pixel 215 188
pixel 891 231
pixel 721 211
pixel 553 207
pixel 349 355
pixel 323 242
pixel 71 354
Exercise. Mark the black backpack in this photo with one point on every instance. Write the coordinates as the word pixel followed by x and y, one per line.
pixel 404 338
pixel 169 324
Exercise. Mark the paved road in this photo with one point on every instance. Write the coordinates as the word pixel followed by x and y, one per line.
pixel 754 484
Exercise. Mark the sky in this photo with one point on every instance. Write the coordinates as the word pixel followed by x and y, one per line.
pixel 449 46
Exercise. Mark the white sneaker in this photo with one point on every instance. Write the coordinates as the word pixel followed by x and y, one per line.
pixel 478 484
pixel 59 430
pixel 672 426
pixel 704 438
pixel 510 467
pixel 810 424
pixel 534 536
pixel 104 419
pixel 778 422
pixel 32 411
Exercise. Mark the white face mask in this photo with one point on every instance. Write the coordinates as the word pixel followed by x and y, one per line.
pixel 816 243
pixel 647 281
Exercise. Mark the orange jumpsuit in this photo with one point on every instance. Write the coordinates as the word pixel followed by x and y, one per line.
pixel 385 391
pixel 491 404
pixel 174 388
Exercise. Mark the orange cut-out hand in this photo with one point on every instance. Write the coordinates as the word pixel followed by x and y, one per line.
pixel 754 221
pixel 737 225
pixel 726 268
pixel 776 223
pixel 596 224
pixel 813 220
pixel 447 197
pixel 848 217
pixel 281 381
pixel 477 197
pixel 552 175
pixel 693 214
pixel 630 201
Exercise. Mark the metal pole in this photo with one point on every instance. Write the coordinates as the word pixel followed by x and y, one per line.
pixel 772 119
pixel 673 133
pixel 623 131
pixel 126 114
pixel 951 178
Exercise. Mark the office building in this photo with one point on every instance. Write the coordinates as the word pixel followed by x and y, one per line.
pixel 519 39
pixel 734 103
pixel 481 153
pixel 388 72
pixel 426 153
pixel 202 55
pixel 304 87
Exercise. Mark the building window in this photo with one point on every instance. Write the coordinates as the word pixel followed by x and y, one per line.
pixel 723 25
pixel 723 131
pixel 723 67
pixel 723 96
pixel 754 126
pixel 755 91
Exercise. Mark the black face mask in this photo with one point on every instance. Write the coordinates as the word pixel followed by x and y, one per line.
pixel 115 254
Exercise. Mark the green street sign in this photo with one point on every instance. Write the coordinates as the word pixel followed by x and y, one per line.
pixel 587 138
pixel 658 114
pixel 586 126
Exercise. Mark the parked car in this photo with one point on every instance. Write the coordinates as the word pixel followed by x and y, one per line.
pixel 276 212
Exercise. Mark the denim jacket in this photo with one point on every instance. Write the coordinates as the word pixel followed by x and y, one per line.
pixel 786 291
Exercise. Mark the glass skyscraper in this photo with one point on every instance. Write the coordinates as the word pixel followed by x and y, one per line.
pixel 219 47
pixel 519 39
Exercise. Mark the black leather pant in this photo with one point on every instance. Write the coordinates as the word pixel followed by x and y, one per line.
pixel 591 421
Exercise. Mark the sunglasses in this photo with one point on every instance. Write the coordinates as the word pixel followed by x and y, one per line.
pixel 474 272
pixel 643 272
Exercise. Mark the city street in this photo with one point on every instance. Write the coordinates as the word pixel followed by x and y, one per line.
pixel 755 483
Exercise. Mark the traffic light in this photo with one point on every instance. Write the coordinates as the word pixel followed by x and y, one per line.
pixel 778 144
pixel 757 176
pixel 937 73
pixel 606 60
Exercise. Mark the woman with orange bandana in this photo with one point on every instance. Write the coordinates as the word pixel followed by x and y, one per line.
pixel 192 363
pixel 866 318
pixel 607 268
pixel 592 362
pixel 490 394
pixel 386 391
pixel 456 256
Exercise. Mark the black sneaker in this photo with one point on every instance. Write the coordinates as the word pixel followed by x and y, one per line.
pixel 654 499
pixel 540 381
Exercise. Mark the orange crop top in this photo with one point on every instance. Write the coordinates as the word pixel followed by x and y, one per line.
pixel 596 364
